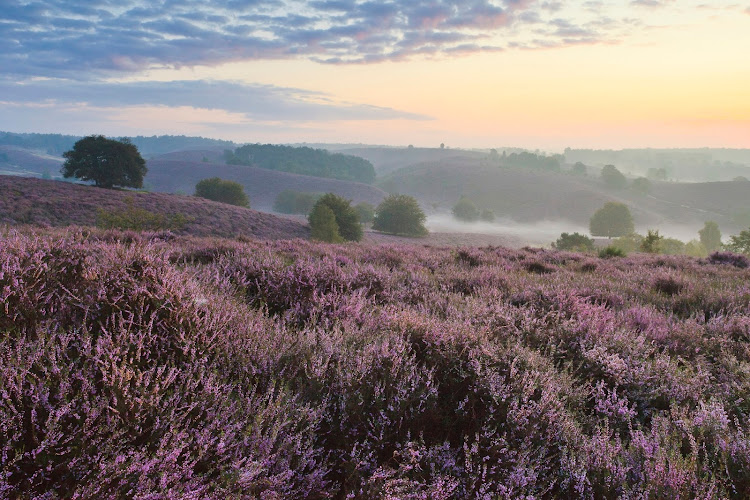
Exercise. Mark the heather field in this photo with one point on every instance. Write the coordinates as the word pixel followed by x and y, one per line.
pixel 154 366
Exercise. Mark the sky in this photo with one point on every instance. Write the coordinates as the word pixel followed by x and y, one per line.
pixel 471 74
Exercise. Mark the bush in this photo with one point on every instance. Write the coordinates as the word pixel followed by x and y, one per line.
pixel 465 210
pixel 729 258
pixel 400 214
pixel 739 243
pixel 575 242
pixel 347 219
pixel 487 215
pixel 365 211
pixel 295 202
pixel 710 236
pixel 641 185
pixel 223 191
pixel 613 178
pixel 613 219
pixel 323 225
pixel 611 251
pixel 652 242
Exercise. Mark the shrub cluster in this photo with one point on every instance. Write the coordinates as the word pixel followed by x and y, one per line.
pixel 138 367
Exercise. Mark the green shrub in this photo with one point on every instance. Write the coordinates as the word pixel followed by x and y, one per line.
pixel 223 191
pixel 574 242
pixel 347 219
pixel 400 214
pixel 295 202
pixel 611 251
pixel 466 210
pixel 365 211
pixel 323 225
pixel 139 219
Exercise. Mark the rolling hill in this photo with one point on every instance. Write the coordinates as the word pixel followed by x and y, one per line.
pixel 52 203
pixel 172 173
pixel 527 195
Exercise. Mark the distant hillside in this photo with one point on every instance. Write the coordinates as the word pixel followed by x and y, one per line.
pixel 53 203
pixel 18 161
pixel 527 195
pixel 304 160
pixel 57 144
pixel 387 160
pixel 262 185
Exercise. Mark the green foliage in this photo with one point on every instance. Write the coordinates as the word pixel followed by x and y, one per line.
pixel 672 246
pixel 525 159
pixel 611 251
pixel 107 162
pixel 307 161
pixel 739 243
pixel 400 214
pixel 223 191
pixel 139 219
pixel 365 211
pixel 695 248
pixel 487 215
pixel 613 178
pixel 628 243
pixel 323 225
pixel 295 202
pixel 710 236
pixel 613 219
pixel 579 169
pixel 347 219
pixel 465 210
pixel 575 242
pixel 652 242
pixel 641 185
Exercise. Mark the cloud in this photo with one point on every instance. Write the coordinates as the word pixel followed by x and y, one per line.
pixel 256 102
pixel 77 39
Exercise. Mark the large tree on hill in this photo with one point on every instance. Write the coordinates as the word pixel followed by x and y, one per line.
pixel 400 214
pixel 613 219
pixel 107 162
pixel 613 178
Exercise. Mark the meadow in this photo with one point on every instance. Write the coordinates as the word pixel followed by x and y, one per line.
pixel 150 365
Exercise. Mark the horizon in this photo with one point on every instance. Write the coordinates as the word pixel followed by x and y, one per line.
pixel 528 74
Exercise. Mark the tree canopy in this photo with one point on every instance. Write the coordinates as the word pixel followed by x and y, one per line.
pixel 106 162
pixel 613 219
pixel 323 225
pixel 613 178
pixel 710 236
pixel 400 214
pixel 304 160
pixel 223 191
pixel 466 210
pixel 346 216
pixel 575 242
pixel 740 243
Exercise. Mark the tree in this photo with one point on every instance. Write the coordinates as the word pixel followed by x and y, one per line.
pixel 294 202
pixel 613 178
pixel 641 185
pixel 739 243
pixel 347 219
pixel 223 191
pixel 652 242
pixel 710 236
pixel 400 214
pixel 107 162
pixel 487 215
pixel 579 169
pixel 574 242
pixel 613 219
pixel 365 211
pixel 323 225
pixel 465 210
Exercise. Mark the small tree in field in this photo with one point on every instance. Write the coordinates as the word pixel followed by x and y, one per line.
pixel 613 178
pixel 107 162
pixel 613 219
pixel 466 210
pixel 574 242
pixel 347 219
pixel 323 225
pixel 223 191
pixel 400 214
pixel 739 243
pixel 365 211
pixel 652 242
pixel 710 236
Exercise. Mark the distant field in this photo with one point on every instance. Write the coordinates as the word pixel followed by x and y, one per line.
pixel 55 203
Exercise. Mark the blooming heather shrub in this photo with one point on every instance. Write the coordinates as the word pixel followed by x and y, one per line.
pixel 729 258
pixel 150 365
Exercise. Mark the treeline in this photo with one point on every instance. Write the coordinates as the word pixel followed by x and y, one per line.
pixel 57 144
pixel 524 159
pixel 304 160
